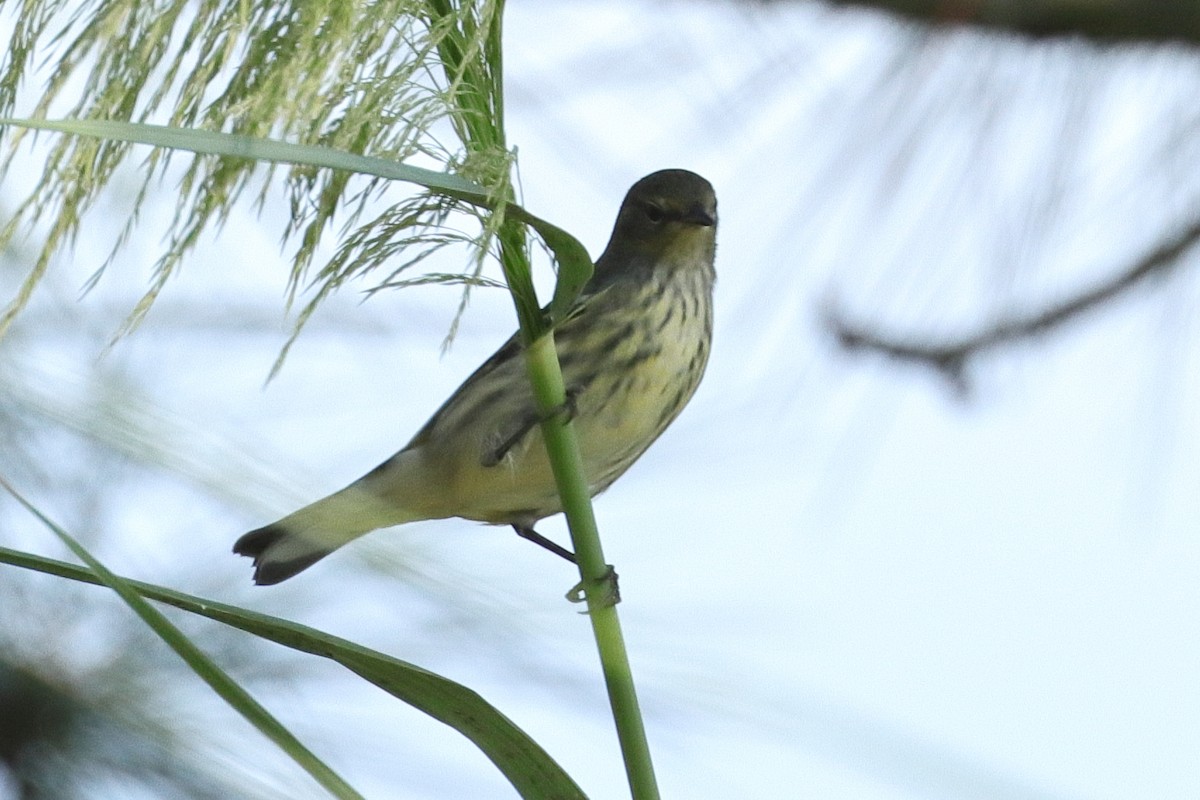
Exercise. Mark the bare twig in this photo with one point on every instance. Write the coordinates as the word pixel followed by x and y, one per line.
pixel 1108 21
pixel 950 358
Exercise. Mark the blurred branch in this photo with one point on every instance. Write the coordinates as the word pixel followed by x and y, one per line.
pixel 950 358
pixel 1104 20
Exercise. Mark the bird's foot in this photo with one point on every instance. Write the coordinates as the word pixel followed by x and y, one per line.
pixel 569 407
pixel 568 410
pixel 605 590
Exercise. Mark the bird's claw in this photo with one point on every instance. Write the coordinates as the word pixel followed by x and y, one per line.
pixel 567 411
pixel 607 592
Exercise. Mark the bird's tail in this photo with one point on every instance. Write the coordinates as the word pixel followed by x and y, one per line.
pixel 299 540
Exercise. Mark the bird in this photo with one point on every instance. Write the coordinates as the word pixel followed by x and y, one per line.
pixel 633 348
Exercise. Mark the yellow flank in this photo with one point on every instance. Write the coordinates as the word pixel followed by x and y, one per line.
pixel 618 413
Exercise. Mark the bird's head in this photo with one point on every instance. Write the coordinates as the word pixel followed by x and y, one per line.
pixel 669 216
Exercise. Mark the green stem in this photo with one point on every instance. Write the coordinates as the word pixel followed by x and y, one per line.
pixel 483 129
pixel 541 360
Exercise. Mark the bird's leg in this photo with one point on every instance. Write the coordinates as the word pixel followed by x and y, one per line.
pixel 529 533
pixel 610 591
pixel 568 408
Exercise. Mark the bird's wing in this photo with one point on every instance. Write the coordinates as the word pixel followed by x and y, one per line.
pixel 498 393
pixel 474 394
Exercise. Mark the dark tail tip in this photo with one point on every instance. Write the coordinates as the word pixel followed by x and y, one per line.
pixel 270 569
pixel 256 542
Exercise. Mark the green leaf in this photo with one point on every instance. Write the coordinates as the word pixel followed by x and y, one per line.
pixel 523 762
pixel 575 265
pixel 201 664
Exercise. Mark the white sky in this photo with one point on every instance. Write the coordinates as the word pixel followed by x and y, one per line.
pixel 840 581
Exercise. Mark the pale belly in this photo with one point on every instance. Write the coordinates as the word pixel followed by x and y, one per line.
pixel 617 416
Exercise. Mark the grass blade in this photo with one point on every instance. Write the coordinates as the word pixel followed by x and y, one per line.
pixel 201 664
pixel 523 762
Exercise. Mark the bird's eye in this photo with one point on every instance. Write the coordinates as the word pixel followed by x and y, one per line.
pixel 654 213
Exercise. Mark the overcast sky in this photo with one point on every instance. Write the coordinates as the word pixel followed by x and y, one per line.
pixel 841 579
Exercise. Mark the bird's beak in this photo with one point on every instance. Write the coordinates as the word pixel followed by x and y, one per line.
pixel 699 215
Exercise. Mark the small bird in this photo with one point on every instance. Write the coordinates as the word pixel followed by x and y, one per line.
pixel 633 349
